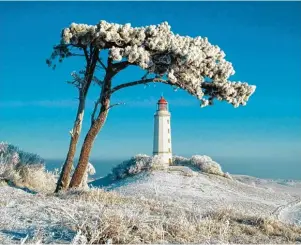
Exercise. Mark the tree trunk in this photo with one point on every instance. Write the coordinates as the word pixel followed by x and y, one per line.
pixel 87 145
pixel 97 124
pixel 64 179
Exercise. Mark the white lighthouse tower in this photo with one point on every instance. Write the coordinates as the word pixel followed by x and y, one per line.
pixel 162 132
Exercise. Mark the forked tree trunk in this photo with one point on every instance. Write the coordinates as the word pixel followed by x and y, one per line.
pixel 64 179
pixel 96 124
pixel 87 145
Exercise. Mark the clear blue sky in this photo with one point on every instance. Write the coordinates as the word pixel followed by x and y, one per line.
pixel 261 39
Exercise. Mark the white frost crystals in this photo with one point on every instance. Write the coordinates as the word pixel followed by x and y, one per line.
pixel 90 170
pixel 193 64
pixel 203 163
pixel 143 163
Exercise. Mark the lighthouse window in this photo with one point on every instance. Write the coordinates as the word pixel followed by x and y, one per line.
pixel 168 149
pixel 167 121
pixel 168 130
pixel 168 140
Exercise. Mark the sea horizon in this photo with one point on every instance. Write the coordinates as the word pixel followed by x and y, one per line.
pixel 259 167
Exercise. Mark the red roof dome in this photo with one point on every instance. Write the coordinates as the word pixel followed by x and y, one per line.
pixel 162 101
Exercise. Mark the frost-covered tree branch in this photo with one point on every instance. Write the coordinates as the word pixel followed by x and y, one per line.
pixel 187 62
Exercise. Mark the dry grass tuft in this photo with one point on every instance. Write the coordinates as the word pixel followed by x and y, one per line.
pixel 251 229
pixel 33 177
pixel 124 220
pixel 37 178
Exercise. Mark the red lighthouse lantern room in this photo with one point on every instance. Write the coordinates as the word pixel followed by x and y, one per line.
pixel 162 104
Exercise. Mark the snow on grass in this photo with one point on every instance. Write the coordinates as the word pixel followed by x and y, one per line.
pixel 97 216
pixel 210 191
pixel 291 213
pixel 149 204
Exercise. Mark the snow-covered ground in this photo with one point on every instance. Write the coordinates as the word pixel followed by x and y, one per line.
pixel 187 188
pixel 25 215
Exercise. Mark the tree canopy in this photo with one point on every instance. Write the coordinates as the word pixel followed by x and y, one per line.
pixel 192 64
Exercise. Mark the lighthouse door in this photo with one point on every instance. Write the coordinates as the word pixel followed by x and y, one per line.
pixel 169 161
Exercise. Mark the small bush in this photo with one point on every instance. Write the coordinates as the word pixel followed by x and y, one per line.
pixel 207 165
pixel 203 163
pixel 8 173
pixel 12 154
pixel 25 169
pixel 37 178
pixel 135 165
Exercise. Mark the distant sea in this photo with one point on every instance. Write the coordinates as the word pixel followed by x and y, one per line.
pixel 267 168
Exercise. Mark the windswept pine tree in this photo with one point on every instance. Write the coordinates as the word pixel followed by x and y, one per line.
pixel 191 64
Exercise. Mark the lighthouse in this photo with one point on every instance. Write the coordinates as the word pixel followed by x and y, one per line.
pixel 162 132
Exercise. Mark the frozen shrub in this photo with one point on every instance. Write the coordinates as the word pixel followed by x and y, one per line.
pixel 207 165
pixel 25 169
pixel 133 166
pixel 178 160
pixel 37 178
pixel 8 173
pixel 137 164
pixel 12 154
pixel 203 163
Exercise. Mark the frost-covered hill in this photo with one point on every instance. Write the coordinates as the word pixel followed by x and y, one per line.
pixel 147 202
pixel 176 205
pixel 190 188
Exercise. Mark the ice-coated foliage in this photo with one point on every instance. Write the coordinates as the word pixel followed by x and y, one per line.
pixel 12 154
pixel 135 165
pixel 203 163
pixel 25 169
pixel 132 166
pixel 192 64
pixel 141 163
pixel 206 164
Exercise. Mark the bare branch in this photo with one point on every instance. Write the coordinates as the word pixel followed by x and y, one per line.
pixel 117 67
pixel 97 81
pixel 72 54
pixel 142 81
pixel 102 64
pixel 145 76
pixel 120 103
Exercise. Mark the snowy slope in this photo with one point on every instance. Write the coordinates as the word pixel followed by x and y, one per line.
pixel 245 194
